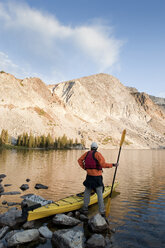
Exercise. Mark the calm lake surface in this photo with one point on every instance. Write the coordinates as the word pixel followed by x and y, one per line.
pixel 138 207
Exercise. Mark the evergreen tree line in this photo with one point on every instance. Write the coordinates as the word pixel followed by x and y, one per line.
pixel 46 141
pixel 42 141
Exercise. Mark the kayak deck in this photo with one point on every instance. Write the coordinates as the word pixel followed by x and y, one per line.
pixel 67 204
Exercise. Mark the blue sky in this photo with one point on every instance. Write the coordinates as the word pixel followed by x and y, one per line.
pixel 58 40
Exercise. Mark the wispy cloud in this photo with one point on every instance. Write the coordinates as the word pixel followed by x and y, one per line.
pixel 7 65
pixel 46 43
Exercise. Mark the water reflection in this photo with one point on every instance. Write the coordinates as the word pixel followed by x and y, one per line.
pixel 137 211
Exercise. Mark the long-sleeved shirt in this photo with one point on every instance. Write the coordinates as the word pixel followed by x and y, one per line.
pixel 101 160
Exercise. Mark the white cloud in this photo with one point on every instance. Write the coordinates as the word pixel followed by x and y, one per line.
pixel 42 34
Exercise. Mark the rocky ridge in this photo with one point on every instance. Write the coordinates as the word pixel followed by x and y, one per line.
pixel 96 107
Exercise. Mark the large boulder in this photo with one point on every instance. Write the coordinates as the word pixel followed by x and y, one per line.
pixel 11 218
pixel 98 224
pixel 64 220
pixel 68 238
pixel 23 237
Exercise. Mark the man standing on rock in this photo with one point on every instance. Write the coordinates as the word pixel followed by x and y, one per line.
pixel 93 162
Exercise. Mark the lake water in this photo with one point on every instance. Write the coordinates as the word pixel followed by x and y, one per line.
pixel 138 208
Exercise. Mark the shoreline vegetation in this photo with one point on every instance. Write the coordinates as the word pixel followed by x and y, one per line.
pixel 29 141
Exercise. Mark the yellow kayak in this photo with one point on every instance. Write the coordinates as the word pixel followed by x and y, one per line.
pixel 67 204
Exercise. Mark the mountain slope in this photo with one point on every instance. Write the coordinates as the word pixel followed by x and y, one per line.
pixel 97 108
pixel 105 104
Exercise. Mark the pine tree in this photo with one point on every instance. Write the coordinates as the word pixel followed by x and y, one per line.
pixel 3 136
pixel 49 140
pixel 59 143
pixel 31 141
pixel 19 140
pixel 70 142
pixel 64 141
pixel 26 140
pixel 6 136
pixel 43 141
pixel 23 139
pixel 55 143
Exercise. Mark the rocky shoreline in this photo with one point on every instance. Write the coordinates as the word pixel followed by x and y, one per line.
pixel 69 230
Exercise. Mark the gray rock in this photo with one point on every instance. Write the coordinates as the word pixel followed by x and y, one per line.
pixel 23 237
pixel 64 220
pixel 40 186
pixel 10 234
pixel 68 239
pixel 108 242
pixel 24 187
pixel 32 199
pixel 3 231
pixel 70 214
pixel 77 214
pixel 98 224
pixel 83 217
pixel 96 241
pixel 11 218
pixel 29 225
pixel 2 245
pixel 45 232
pixel 42 240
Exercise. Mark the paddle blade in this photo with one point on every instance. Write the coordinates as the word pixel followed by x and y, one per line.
pixel 123 137
pixel 108 207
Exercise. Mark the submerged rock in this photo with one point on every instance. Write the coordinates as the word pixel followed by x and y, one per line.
pixel 64 220
pixel 24 187
pixel 2 175
pixel 7 185
pixel 1 188
pixel 40 186
pixel 96 241
pixel 68 239
pixel 13 203
pixel 98 224
pixel 23 237
pixel 11 193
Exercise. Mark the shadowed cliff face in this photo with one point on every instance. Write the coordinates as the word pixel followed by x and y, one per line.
pixel 97 108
